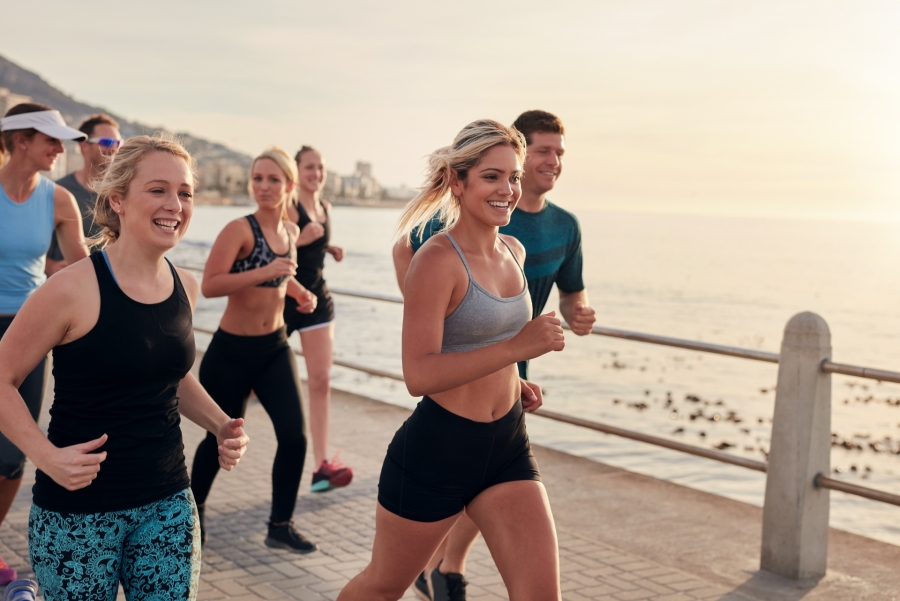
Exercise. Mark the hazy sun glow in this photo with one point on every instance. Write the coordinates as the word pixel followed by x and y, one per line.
pixel 748 107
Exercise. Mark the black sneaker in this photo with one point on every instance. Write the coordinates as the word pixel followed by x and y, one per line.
pixel 420 586
pixel 201 511
pixel 448 587
pixel 286 536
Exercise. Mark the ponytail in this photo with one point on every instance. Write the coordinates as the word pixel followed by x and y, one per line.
pixel 435 197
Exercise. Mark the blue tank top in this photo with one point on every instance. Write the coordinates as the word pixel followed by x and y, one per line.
pixel 25 232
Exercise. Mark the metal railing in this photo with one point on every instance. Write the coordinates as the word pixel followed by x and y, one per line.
pixel 778 556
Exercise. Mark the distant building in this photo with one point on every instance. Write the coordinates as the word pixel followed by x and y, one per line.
pixel 225 176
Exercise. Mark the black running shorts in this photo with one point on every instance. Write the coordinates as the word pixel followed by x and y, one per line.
pixel 319 318
pixel 438 462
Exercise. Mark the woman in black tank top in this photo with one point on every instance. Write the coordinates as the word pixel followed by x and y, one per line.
pixel 252 262
pixel 313 215
pixel 120 327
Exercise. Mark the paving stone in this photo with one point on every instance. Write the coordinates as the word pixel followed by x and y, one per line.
pixel 237 566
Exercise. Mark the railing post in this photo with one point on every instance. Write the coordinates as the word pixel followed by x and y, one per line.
pixel 795 514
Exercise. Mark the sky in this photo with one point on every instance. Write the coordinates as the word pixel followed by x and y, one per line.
pixel 759 107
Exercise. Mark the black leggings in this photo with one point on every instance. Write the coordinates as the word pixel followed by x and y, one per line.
pixel 231 368
pixel 12 460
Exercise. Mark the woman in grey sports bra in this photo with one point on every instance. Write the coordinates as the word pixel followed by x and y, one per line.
pixel 466 323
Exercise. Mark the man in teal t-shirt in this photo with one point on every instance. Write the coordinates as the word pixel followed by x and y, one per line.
pixel 552 240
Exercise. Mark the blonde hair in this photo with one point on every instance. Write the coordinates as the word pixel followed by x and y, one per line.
pixel 435 196
pixel 120 172
pixel 287 166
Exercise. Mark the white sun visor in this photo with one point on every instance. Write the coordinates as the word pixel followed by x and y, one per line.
pixel 46 122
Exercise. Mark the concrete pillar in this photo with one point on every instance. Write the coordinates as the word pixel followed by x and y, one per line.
pixel 795 514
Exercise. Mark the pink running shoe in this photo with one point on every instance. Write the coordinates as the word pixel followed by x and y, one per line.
pixel 331 474
pixel 7 574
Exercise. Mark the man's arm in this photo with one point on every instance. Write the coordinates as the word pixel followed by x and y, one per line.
pixel 576 310
pixel 573 298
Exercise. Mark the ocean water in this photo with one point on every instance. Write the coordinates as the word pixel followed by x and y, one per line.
pixel 733 281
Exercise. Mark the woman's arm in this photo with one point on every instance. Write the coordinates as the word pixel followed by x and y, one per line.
pixel 67 221
pixel 427 298
pixel 196 405
pixel 217 281
pixel 306 300
pixel 56 313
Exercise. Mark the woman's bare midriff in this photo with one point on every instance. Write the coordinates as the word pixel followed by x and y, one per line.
pixel 254 311
pixel 484 400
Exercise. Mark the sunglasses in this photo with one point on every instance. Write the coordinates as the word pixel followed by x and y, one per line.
pixel 106 143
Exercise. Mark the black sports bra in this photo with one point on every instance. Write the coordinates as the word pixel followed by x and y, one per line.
pixel 262 255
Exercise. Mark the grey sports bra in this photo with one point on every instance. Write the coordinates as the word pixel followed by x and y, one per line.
pixel 482 319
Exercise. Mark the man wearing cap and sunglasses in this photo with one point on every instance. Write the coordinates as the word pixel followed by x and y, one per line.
pixel 32 208
pixel 103 140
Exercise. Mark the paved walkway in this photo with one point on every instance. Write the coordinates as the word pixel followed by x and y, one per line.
pixel 236 564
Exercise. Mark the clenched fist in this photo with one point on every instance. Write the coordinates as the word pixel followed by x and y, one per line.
pixel 540 336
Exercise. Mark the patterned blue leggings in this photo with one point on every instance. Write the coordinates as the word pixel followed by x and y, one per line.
pixel 153 550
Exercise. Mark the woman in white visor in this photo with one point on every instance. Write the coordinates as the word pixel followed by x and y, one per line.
pixel 31 208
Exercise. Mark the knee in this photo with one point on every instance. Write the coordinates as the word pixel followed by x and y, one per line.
pixel 320 379
pixel 379 589
pixel 291 441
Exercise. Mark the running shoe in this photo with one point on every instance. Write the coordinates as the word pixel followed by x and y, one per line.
pixel 420 586
pixel 448 587
pixel 7 574
pixel 286 536
pixel 21 590
pixel 331 474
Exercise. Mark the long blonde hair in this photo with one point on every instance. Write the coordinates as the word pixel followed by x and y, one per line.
pixel 119 174
pixel 287 166
pixel 435 196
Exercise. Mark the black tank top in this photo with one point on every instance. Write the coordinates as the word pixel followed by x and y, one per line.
pixel 262 254
pixel 121 379
pixel 311 258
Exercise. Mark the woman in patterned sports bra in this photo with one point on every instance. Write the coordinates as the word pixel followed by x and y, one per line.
pixel 252 263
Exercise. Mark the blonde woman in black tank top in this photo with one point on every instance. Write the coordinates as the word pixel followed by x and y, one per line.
pixel 316 330
pixel 120 329
pixel 465 325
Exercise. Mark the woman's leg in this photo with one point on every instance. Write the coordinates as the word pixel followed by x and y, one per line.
pixel 400 551
pixel 451 555
pixel 12 460
pixel 76 556
pixel 161 554
pixel 228 382
pixel 517 525
pixel 278 389
pixel 317 346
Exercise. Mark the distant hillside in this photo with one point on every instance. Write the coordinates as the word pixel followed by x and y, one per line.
pixel 21 81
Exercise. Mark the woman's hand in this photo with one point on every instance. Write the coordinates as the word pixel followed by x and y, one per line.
pixel 232 443
pixel 532 396
pixel 311 232
pixel 306 300
pixel 76 466
pixel 337 252
pixel 279 268
pixel 539 336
